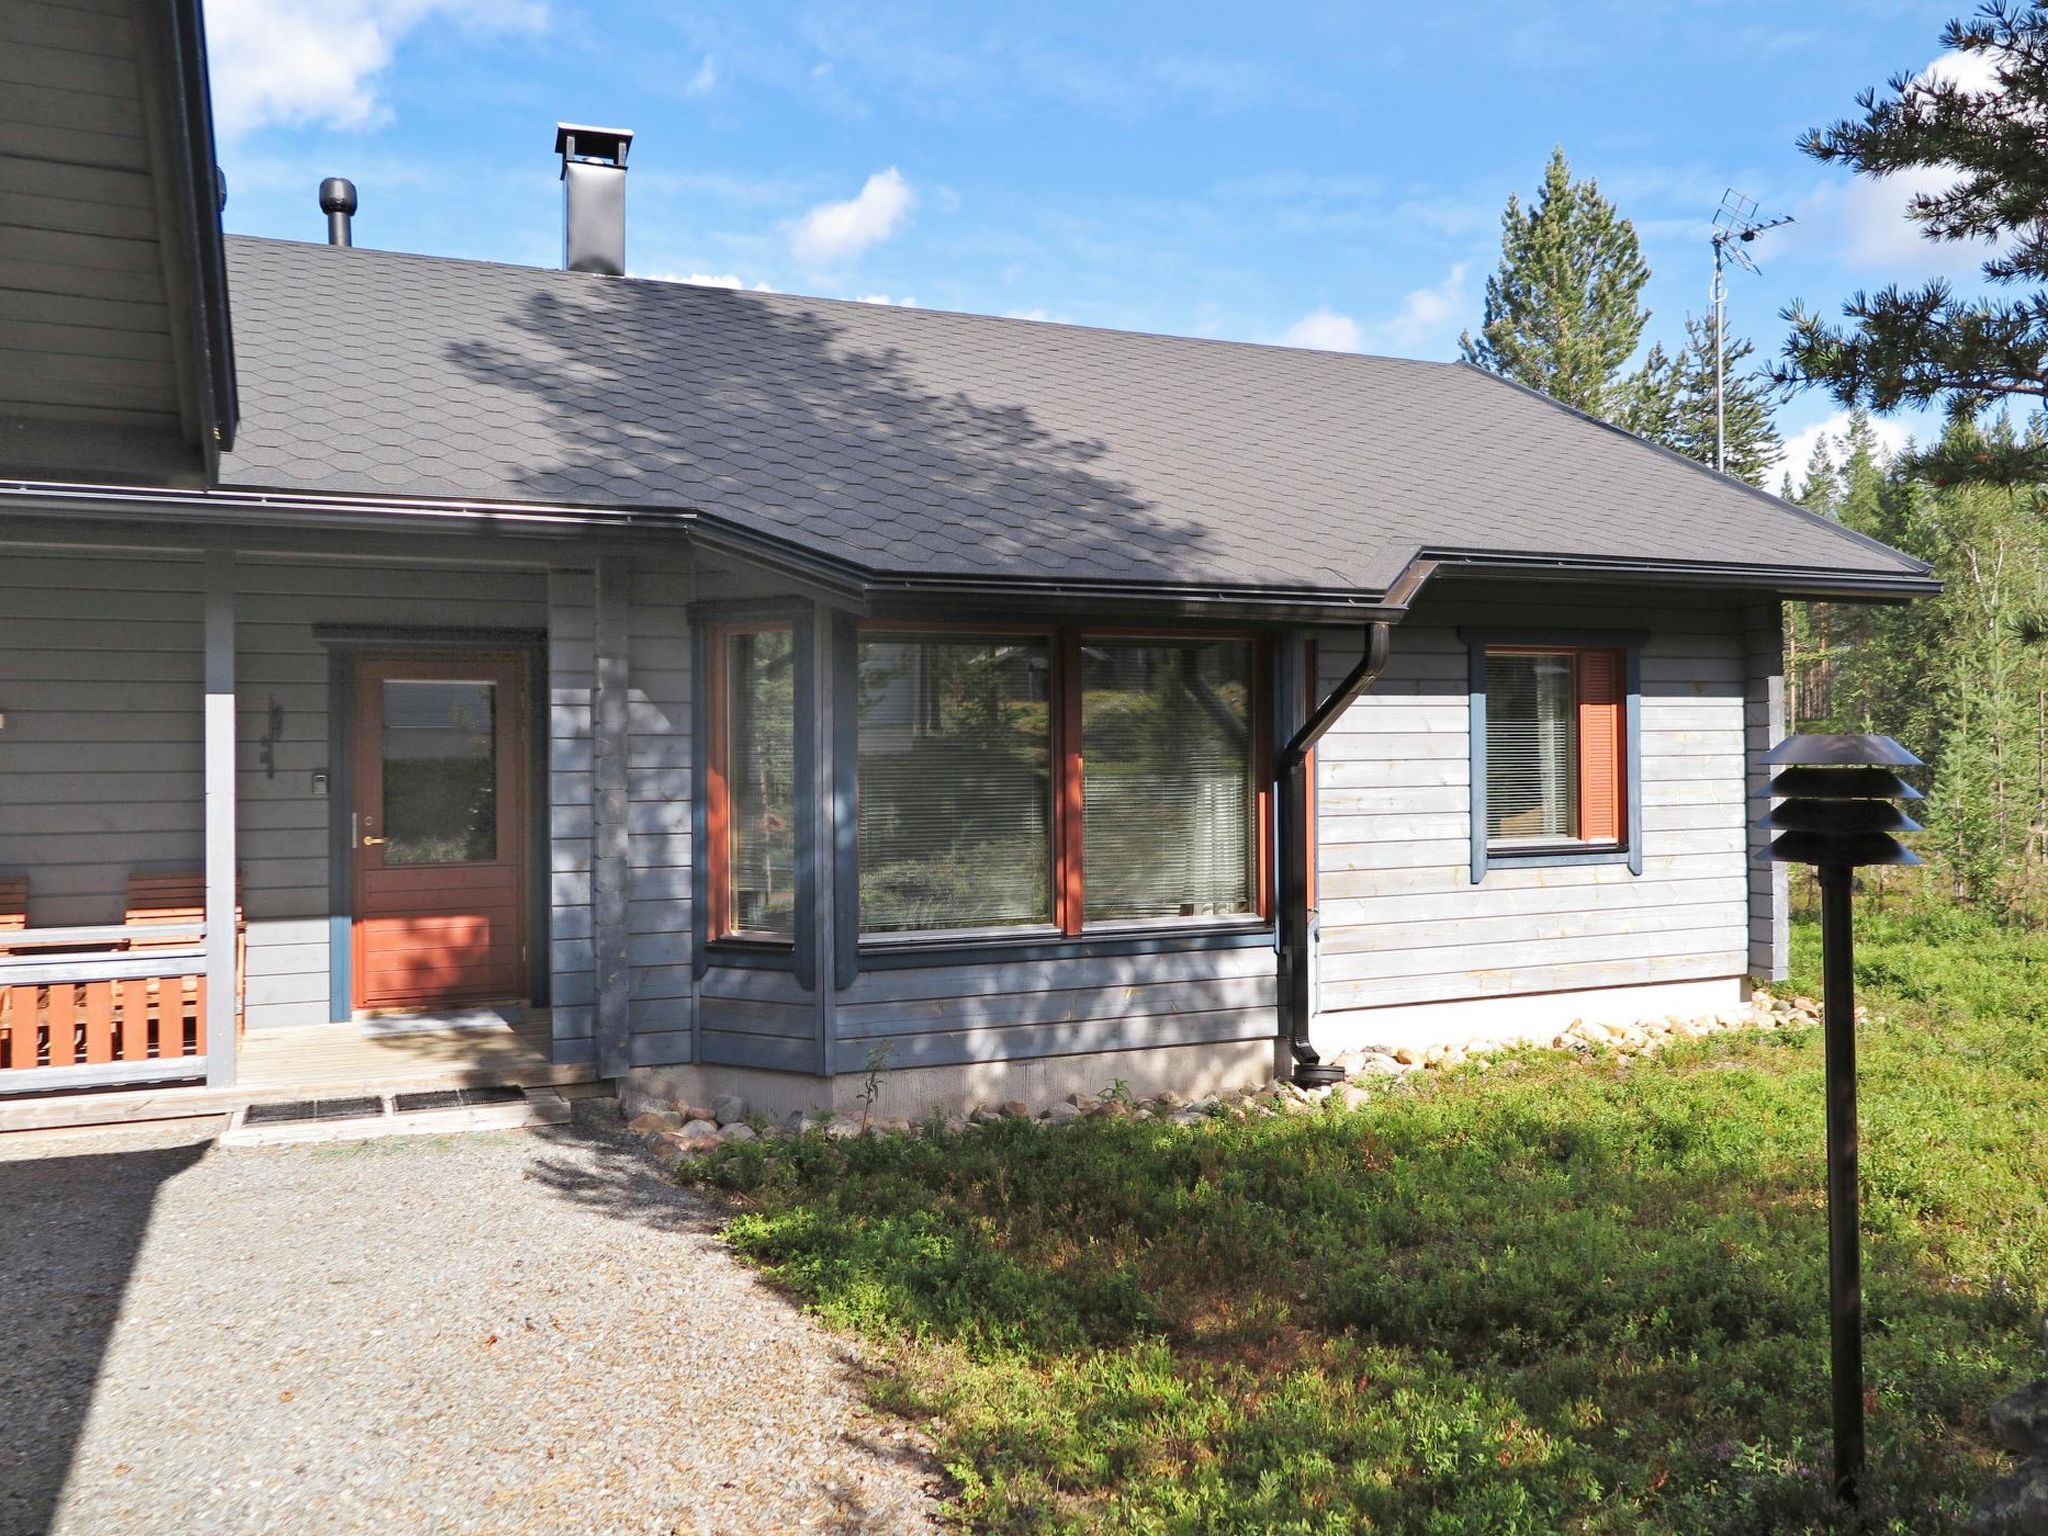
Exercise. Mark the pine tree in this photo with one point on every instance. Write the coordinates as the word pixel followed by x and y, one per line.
pixel 1809 627
pixel 1563 312
pixel 1924 345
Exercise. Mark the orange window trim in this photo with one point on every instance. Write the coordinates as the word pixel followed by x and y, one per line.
pixel 1069 809
pixel 1603 761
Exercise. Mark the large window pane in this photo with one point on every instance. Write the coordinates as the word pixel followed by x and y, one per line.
pixel 760 767
pixel 1166 749
pixel 955 789
pixel 1532 749
pixel 440 772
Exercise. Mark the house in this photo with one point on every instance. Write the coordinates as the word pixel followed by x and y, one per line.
pixel 746 690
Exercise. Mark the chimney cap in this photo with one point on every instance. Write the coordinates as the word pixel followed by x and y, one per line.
pixel 337 195
pixel 580 141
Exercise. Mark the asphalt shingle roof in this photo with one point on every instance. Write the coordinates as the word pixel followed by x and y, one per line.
pixel 916 442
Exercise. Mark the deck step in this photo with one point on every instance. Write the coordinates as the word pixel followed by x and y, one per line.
pixel 408 1114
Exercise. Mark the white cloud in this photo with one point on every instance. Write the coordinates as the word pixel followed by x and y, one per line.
pixel 1892 436
pixel 317 61
pixel 709 280
pixel 906 302
pixel 1865 220
pixel 1324 330
pixel 834 231
pixel 700 83
pixel 1426 315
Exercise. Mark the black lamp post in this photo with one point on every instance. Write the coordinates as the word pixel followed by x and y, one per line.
pixel 1835 812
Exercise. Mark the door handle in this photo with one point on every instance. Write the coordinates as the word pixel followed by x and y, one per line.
pixel 373 842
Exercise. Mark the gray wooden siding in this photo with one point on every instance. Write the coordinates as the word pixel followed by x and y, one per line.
pixel 99 759
pixel 947 1015
pixel 84 331
pixel 658 757
pixel 572 673
pixel 756 1018
pixel 283 668
pixel 1401 920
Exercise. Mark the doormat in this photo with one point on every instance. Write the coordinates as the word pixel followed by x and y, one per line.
pixel 457 1098
pixel 441 1023
pixel 312 1109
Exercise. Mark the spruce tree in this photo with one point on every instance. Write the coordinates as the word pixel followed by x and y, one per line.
pixel 1925 345
pixel 1564 312
pixel 1752 437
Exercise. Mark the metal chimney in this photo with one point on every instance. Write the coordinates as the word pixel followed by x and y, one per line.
pixel 593 197
pixel 338 202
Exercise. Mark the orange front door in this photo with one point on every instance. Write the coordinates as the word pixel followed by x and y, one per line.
pixel 440 831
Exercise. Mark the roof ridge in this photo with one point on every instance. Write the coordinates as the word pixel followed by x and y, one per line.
pixel 926 311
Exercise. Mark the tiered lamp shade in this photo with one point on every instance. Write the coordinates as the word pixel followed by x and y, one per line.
pixel 1835 795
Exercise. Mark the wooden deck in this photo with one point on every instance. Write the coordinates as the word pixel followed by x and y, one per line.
pixel 323 1060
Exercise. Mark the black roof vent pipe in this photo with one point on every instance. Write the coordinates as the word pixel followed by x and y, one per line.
pixel 338 202
pixel 593 197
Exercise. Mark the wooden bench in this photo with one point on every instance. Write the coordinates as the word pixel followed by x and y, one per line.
pixel 176 1005
pixel 104 1020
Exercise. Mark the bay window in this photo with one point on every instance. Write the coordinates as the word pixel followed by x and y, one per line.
pixel 955 782
pixel 1167 775
pixel 1054 782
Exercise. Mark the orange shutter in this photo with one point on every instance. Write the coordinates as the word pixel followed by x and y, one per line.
pixel 1602 790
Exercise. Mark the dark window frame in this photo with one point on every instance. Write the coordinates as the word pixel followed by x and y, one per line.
pixel 1629 848
pixel 713 624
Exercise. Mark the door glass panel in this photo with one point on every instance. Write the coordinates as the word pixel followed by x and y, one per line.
pixel 440 772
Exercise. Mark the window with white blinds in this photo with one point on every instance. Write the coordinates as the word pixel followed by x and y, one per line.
pixel 955 782
pixel 1558 759
pixel 1167 788
pixel 1532 747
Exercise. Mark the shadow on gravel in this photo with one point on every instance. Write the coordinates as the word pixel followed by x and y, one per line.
pixel 621 1182
pixel 69 1236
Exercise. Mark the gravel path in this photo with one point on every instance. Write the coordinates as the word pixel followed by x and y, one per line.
pixel 505 1332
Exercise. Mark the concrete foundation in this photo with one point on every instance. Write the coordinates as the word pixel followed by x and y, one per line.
pixel 914 1093
pixel 1512 1020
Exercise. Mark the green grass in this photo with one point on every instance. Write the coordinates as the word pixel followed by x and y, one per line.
pixel 1556 1295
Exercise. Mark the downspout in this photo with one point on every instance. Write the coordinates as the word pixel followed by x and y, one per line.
pixel 1296 920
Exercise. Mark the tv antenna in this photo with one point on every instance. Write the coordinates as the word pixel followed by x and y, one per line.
pixel 1735 225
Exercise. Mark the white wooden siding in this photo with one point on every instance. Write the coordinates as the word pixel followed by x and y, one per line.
pixel 1403 923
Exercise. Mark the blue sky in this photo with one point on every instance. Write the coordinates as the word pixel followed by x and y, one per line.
pixel 1329 174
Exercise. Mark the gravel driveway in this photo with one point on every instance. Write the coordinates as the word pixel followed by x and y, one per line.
pixel 498 1332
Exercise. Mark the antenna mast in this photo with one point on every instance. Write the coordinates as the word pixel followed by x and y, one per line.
pixel 1735 221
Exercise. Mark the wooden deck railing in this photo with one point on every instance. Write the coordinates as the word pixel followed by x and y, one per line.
pixel 131 996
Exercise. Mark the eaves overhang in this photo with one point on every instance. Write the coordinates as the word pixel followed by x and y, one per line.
pixel 1799 583
pixel 885 593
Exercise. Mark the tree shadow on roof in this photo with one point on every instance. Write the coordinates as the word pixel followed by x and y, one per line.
pixel 779 416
